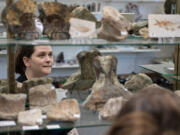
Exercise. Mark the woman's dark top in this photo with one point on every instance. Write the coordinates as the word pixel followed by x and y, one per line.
pixel 21 78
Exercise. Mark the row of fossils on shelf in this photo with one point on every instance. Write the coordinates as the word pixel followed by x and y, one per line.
pixel 25 19
pixel 96 72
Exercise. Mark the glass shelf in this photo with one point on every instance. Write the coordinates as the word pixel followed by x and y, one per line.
pixel 164 69
pixel 130 41
pixel 88 119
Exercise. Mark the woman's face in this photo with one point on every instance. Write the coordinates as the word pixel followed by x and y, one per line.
pixel 40 62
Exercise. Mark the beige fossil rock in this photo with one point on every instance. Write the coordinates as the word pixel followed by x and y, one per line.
pixel 107 85
pixel 138 82
pixel 42 96
pixel 177 92
pixel 34 82
pixel 84 78
pixel 65 110
pixel 112 108
pixel 11 105
pixel 85 14
pixel 30 117
pixel 114 26
pixel 82 28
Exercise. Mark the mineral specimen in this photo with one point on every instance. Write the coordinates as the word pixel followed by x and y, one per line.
pixel 85 77
pixel 42 95
pixel 20 20
pixel 11 105
pixel 65 110
pixel 30 117
pixel 138 82
pixel 114 26
pixel 82 28
pixel 55 17
pixel 112 108
pixel 107 85
pixel 85 14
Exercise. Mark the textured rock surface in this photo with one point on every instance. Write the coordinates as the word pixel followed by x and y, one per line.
pixel 34 82
pixel 85 77
pixel 114 26
pixel 30 117
pixel 107 85
pixel 177 92
pixel 138 82
pixel 112 108
pixel 82 28
pixel 11 105
pixel 65 110
pixel 21 21
pixel 55 17
pixel 138 25
pixel 42 95
pixel 85 14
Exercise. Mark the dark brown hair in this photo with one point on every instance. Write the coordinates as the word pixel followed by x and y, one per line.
pixel 135 123
pixel 159 102
pixel 22 51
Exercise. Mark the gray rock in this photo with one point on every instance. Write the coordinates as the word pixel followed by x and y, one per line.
pixel 107 85
pixel 65 110
pixel 138 82
pixel 11 105
pixel 30 117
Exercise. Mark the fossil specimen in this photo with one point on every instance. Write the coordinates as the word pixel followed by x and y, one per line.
pixel 138 82
pixel 107 85
pixel 65 110
pixel 84 78
pixel 114 26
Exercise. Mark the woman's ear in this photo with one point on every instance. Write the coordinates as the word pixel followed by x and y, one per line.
pixel 26 61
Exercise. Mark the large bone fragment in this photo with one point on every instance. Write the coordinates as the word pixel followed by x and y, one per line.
pixel 82 29
pixel 114 26
pixel 138 82
pixel 85 77
pixel 55 17
pixel 107 85
pixel 20 19
pixel 85 14
pixel 30 117
pixel 112 108
pixel 42 96
pixel 65 110
pixel 11 105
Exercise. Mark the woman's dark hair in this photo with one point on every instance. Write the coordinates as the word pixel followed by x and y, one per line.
pixel 135 123
pixel 160 103
pixel 22 51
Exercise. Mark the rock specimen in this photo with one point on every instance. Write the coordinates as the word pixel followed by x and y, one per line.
pixel 177 92
pixel 34 82
pixel 112 108
pixel 42 96
pixel 107 85
pixel 85 14
pixel 30 117
pixel 65 110
pixel 138 82
pixel 85 77
pixel 137 26
pixel 11 105
pixel 144 32
pixel 21 21
pixel 74 131
pixel 55 17
pixel 114 26
pixel 82 29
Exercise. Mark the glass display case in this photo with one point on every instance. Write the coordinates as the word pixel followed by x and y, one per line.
pixel 88 118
